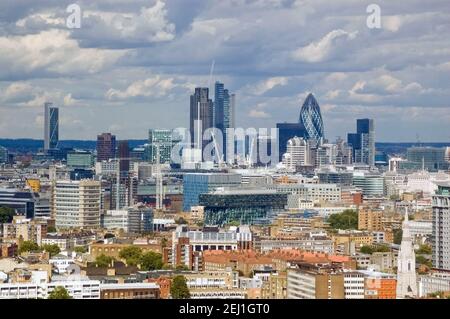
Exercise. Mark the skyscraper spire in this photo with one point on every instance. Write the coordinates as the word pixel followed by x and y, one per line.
pixel 311 119
pixel 406 271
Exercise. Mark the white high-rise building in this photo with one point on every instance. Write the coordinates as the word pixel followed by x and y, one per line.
pixel 440 237
pixel 406 270
pixel 297 153
pixel 76 203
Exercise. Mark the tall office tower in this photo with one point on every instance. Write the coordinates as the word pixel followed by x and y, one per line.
pixel 286 131
pixel 123 154
pixel 223 116
pixel 406 269
pixel 3 155
pixel 76 204
pixel 106 147
pixel 297 153
pixel 440 238
pixel 363 142
pixel 311 119
pixel 163 139
pixel 201 108
pixel 51 126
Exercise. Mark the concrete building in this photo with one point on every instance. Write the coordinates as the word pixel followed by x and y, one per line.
pixel 353 285
pixel 440 238
pixel 130 220
pixel 433 283
pixel 370 219
pixel 309 281
pixel 76 203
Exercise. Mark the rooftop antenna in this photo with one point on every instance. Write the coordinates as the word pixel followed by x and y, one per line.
pixel 211 71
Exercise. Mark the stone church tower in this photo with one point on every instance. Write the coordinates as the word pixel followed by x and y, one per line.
pixel 406 272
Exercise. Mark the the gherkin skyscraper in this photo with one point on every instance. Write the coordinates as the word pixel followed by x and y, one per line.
pixel 311 119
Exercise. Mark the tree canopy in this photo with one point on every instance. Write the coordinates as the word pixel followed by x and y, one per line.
pixel 179 288
pixel 151 261
pixel 59 293
pixel 131 254
pixel 6 214
pixel 348 219
pixel 103 261
pixel 29 246
pixel 52 249
pixel 373 249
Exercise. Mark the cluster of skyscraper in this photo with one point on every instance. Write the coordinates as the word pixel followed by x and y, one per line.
pixel 304 143
pixel 206 114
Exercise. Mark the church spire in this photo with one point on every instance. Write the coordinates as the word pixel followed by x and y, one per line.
pixel 406 270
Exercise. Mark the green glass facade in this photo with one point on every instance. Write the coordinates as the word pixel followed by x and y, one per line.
pixel 220 209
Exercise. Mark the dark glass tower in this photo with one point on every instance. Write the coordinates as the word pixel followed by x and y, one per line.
pixel 106 146
pixel 200 102
pixel 311 119
pixel 223 117
pixel 286 131
pixel 363 142
pixel 51 129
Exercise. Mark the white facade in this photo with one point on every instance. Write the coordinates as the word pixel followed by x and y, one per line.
pixel 406 269
pixel 353 285
pixel 300 285
pixel 76 203
pixel 433 283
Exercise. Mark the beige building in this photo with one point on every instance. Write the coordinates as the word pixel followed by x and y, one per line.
pixel 76 204
pixel 312 282
pixel 370 219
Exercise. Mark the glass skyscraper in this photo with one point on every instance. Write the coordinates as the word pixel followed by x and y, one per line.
pixel 106 147
pixel 201 108
pixel 224 104
pixel 163 138
pixel 51 126
pixel 363 142
pixel 311 119
pixel 286 131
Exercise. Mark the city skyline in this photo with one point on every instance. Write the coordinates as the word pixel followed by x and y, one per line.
pixel 153 64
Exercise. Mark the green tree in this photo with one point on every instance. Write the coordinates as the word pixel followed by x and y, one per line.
pixel 28 246
pixel 51 229
pixel 51 249
pixel 6 214
pixel 59 293
pixel 179 288
pixel 366 250
pixel 103 261
pixel 398 233
pixel 421 260
pixel 348 219
pixel 80 249
pixel 151 261
pixel 424 250
pixel 131 254
pixel 182 267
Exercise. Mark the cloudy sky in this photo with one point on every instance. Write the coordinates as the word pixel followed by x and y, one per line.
pixel 133 64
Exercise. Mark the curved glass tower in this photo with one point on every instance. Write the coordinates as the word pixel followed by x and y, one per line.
pixel 311 118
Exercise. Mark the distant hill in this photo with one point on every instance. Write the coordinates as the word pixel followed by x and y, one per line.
pixel 25 145
pixel 31 145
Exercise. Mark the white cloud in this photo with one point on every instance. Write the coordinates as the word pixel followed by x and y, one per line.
pixel 151 87
pixel 51 52
pixel 260 114
pixel 320 50
pixel 269 84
